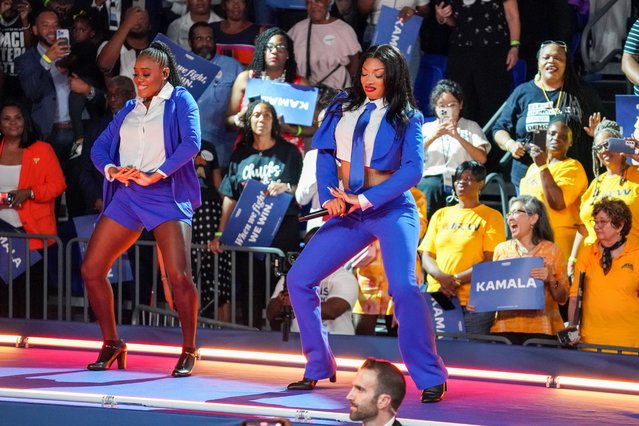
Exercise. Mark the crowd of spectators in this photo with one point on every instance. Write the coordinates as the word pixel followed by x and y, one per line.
pixel 59 94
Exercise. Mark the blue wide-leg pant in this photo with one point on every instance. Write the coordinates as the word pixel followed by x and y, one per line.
pixel 396 226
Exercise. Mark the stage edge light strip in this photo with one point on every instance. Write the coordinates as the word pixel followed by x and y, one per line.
pixel 349 363
pixel 175 404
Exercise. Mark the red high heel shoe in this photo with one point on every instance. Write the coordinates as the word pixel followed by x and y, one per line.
pixel 109 353
pixel 308 384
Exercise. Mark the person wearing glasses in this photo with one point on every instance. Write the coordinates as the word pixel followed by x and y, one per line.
pixel 375 131
pixel 459 237
pixel 532 236
pixel 274 59
pixel 554 90
pixel 558 181
pixel 610 306
pixel 620 181
pixel 448 141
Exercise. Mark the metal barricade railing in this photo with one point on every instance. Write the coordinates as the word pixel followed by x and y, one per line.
pixel 7 244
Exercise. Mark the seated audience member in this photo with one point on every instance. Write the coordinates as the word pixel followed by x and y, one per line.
pixel 326 48
pixel 457 238
pixel 235 35
pixel 558 181
pixel 274 59
pixel 31 173
pixel 133 36
pixel 215 98
pixel 448 141
pixel 378 391
pixel 198 11
pixel 338 293
pixel 610 309
pixel 264 156
pixel 620 181
pixel 374 301
pixel 532 236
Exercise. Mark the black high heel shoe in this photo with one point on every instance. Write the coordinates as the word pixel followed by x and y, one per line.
pixel 109 353
pixel 186 363
pixel 308 384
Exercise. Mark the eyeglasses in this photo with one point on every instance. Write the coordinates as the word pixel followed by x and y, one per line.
pixel 516 212
pixel 599 223
pixel 600 147
pixel 559 43
pixel 278 47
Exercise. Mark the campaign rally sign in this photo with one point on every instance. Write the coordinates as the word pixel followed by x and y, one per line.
pixel 196 72
pixel 287 4
pixel 627 113
pixel 84 226
pixel 13 256
pixel 449 321
pixel 401 34
pixel 295 103
pixel 506 285
pixel 256 217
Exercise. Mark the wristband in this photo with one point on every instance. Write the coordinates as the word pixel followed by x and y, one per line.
pixel 288 188
pixel 218 234
pixel 572 259
pixel 31 194
pixel 515 43
pixel 299 131
pixel 510 141
pixel 543 167
pixel 46 58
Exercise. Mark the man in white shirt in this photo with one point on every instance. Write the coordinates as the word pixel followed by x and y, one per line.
pixel 199 11
pixel 378 391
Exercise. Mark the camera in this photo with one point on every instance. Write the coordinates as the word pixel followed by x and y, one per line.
pixel 6 198
pixel 568 336
pixel 281 266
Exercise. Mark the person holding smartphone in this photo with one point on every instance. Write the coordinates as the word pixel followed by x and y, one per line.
pixel 448 141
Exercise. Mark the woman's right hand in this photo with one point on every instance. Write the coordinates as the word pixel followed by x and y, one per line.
pixel 124 174
pixel 215 246
pixel 448 284
pixel 443 12
pixel 516 148
pixel 335 207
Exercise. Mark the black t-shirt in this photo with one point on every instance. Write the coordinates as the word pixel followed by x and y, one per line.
pixel 281 163
pixel 11 45
pixel 205 162
pixel 480 23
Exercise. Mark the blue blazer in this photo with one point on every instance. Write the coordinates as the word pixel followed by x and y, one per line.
pixel 182 140
pixel 403 155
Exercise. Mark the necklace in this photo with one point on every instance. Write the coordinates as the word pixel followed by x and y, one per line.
pixel 281 78
pixel 555 109
pixel 521 250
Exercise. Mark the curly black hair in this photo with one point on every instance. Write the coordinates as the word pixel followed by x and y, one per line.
pixel 398 90
pixel 276 132
pixel 259 64
pixel 162 54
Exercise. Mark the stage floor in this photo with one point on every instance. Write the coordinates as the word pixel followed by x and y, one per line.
pixel 263 386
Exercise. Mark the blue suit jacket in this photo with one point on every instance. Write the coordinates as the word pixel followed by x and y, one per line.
pixel 403 155
pixel 37 84
pixel 181 143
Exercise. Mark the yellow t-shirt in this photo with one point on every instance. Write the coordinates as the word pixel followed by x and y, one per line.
pixel 611 302
pixel 571 177
pixel 610 186
pixel 458 238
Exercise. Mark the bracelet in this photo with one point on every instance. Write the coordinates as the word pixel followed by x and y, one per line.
pixel 288 188
pixel 46 58
pixel 510 141
pixel 218 234
pixel 441 21
pixel 543 167
pixel 572 259
pixel 299 131
pixel 515 43
pixel 31 194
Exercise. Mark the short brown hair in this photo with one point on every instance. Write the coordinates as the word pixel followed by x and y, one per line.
pixel 618 212
pixel 390 380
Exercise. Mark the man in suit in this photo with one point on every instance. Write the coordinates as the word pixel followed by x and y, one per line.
pixel 378 391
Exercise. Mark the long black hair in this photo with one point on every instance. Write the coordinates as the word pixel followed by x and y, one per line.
pixel 398 90
pixel 162 54
pixel 259 64
pixel 29 135
pixel 276 132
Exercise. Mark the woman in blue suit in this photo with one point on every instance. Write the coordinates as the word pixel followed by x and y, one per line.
pixel 146 155
pixel 374 131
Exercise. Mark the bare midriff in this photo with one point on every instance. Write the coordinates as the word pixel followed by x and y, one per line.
pixel 372 177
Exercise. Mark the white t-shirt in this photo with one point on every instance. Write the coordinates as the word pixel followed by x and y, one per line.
pixel 127 60
pixel 342 284
pixel 178 30
pixel 444 155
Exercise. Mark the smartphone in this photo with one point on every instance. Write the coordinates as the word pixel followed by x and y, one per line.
pixel 621 145
pixel 62 34
pixel 539 139
pixel 444 301
pixel 445 114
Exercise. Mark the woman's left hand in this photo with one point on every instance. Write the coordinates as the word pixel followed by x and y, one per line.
pixel 538 155
pixel 540 273
pixel 512 58
pixel 593 121
pixel 405 14
pixel 276 188
pixel 351 199
pixel 19 197
pixel 146 179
